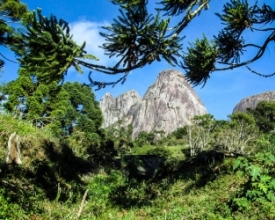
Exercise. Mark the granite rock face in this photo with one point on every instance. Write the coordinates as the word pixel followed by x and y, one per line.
pixel 252 101
pixel 168 104
pixel 115 109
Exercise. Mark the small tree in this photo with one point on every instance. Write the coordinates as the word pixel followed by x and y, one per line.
pixel 145 138
pixel 121 135
pixel 236 134
pixel 199 133
pixel 179 133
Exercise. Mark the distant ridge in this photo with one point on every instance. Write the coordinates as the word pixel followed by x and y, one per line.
pixel 252 101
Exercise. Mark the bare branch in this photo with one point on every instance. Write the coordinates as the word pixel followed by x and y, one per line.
pixel 101 85
pixel 109 70
pixel 258 55
pixel 260 74
pixel 7 58
pixel 265 29
pixel 189 17
pixel 82 204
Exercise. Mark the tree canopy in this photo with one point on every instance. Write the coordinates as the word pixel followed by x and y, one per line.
pixel 10 11
pixel 66 108
pixel 138 37
pixel 264 115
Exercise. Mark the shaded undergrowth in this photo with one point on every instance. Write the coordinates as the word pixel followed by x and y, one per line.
pixel 43 178
pixel 203 168
pixel 50 170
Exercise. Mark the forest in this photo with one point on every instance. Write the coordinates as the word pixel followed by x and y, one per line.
pixel 72 168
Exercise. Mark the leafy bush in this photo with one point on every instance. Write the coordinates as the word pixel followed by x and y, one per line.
pixel 101 188
pixel 137 150
pixel 260 184
pixel 8 210
pixel 159 151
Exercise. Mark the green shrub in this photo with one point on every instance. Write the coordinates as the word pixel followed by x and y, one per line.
pixel 8 210
pixel 159 151
pixel 260 184
pixel 101 187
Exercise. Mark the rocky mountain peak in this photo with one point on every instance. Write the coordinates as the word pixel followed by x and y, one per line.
pixel 115 109
pixel 168 104
pixel 252 101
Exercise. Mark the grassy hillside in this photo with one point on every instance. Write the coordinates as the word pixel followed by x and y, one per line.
pixel 55 174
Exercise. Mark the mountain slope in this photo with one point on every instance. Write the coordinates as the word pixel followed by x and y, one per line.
pixel 252 101
pixel 168 104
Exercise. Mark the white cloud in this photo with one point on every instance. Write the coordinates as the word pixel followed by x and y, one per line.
pixel 89 32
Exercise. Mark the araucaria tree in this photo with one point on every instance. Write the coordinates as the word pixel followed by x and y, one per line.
pixel 225 51
pixel 66 108
pixel 10 11
pixel 138 37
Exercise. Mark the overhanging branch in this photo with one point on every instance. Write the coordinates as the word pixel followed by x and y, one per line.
pixel 101 85
pixel 258 55
pixel 189 17
pixel 260 74
pixel 109 70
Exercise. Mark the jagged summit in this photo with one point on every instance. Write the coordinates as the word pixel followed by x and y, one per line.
pixel 114 109
pixel 168 104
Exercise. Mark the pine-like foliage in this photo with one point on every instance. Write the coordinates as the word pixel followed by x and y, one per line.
pixel 199 62
pixel 10 11
pixel 138 38
pixel 229 45
pixel 178 7
pixel 47 48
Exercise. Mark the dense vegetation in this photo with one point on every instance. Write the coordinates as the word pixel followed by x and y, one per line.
pixel 74 169
pixel 229 176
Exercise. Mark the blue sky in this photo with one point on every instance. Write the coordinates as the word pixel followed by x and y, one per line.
pixel 221 93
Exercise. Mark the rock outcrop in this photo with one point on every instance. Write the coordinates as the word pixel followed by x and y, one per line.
pixel 252 101
pixel 168 104
pixel 115 109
